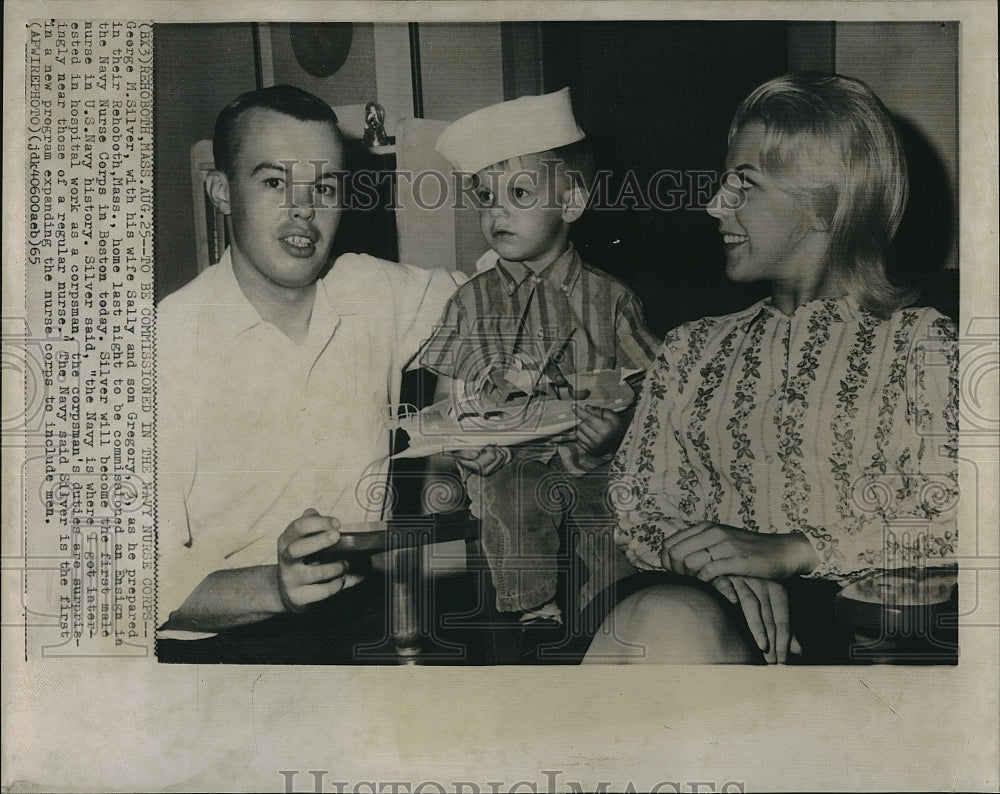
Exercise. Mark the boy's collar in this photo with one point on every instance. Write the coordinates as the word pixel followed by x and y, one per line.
pixel 563 273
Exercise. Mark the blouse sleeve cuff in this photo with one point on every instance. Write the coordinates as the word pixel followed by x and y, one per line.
pixel 642 545
pixel 844 554
pixel 831 559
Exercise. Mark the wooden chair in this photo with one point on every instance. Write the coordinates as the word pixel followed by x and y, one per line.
pixel 211 229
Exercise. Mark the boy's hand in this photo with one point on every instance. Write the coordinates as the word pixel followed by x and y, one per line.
pixel 483 461
pixel 601 430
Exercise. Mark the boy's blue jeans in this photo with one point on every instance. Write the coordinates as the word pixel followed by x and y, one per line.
pixel 521 507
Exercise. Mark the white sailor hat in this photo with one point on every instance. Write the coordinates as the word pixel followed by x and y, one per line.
pixel 510 129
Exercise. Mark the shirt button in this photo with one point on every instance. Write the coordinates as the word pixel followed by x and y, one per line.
pixel 540 334
pixel 769 458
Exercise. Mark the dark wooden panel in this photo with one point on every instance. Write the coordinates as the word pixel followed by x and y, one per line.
pixel 198 70
pixel 655 96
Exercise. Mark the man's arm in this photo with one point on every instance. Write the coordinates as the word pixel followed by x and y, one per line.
pixel 229 598
pixel 236 597
pixel 412 298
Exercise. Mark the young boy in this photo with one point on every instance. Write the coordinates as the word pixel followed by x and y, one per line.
pixel 540 310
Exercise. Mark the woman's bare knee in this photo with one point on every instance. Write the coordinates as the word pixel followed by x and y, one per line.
pixel 669 624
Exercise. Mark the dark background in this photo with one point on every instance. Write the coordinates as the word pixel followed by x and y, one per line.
pixel 651 95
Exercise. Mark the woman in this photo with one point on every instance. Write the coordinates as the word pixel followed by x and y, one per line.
pixel 785 450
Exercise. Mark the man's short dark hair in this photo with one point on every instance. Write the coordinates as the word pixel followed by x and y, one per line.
pixel 286 99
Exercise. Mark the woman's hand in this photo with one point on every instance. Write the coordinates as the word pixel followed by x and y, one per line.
pixel 765 607
pixel 709 550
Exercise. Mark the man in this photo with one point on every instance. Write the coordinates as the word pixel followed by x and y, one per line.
pixel 274 387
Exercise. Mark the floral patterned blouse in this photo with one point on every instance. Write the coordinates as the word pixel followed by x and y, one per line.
pixel 831 422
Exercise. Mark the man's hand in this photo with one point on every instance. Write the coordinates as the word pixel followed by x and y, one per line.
pixel 601 430
pixel 708 550
pixel 301 584
pixel 483 461
pixel 765 607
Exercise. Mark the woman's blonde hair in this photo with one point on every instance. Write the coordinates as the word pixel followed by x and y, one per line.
pixel 830 139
